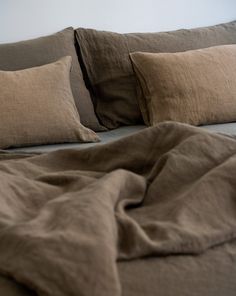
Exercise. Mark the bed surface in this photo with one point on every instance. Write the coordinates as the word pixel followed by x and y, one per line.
pixel 226 128
pixel 116 134
pixel 105 137
pixel 163 208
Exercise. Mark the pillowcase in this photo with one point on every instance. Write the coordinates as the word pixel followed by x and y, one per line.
pixel 195 87
pixel 37 107
pixel 109 72
pixel 45 50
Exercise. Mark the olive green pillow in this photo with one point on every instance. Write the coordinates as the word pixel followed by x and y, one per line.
pixel 195 87
pixel 37 107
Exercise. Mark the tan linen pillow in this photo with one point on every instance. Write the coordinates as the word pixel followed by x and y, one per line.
pixel 48 49
pixel 37 107
pixel 195 87
pixel 108 69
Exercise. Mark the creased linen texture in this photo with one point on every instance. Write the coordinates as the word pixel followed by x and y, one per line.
pixel 195 87
pixel 109 72
pixel 37 107
pixel 48 49
pixel 67 218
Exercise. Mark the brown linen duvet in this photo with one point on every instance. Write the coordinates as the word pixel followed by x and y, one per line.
pixel 150 214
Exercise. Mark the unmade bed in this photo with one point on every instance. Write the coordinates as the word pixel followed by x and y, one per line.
pixel 94 202
pixel 150 214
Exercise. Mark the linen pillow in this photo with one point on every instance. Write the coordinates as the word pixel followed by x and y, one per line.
pixel 109 72
pixel 37 107
pixel 195 87
pixel 45 50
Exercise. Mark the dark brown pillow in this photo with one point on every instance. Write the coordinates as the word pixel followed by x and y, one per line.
pixel 44 50
pixel 110 75
pixel 195 87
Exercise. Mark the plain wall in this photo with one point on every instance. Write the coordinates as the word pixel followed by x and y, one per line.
pixel 23 19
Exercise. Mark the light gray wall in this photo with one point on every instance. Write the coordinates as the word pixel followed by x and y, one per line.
pixel 23 19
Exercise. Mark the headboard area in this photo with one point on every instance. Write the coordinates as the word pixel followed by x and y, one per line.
pixel 31 18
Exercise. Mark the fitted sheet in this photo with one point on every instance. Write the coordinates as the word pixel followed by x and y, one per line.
pixel 116 134
pixel 105 137
pixel 226 128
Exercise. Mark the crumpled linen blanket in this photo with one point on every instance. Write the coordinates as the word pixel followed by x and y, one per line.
pixel 68 217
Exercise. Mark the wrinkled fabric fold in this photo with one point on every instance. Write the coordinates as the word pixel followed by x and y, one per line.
pixel 68 217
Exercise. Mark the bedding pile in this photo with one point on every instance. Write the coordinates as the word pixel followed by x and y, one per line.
pixel 68 217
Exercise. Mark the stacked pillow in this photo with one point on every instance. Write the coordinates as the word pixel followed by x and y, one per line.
pixel 44 50
pixel 45 104
pixel 37 107
pixel 109 72
pixel 48 96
